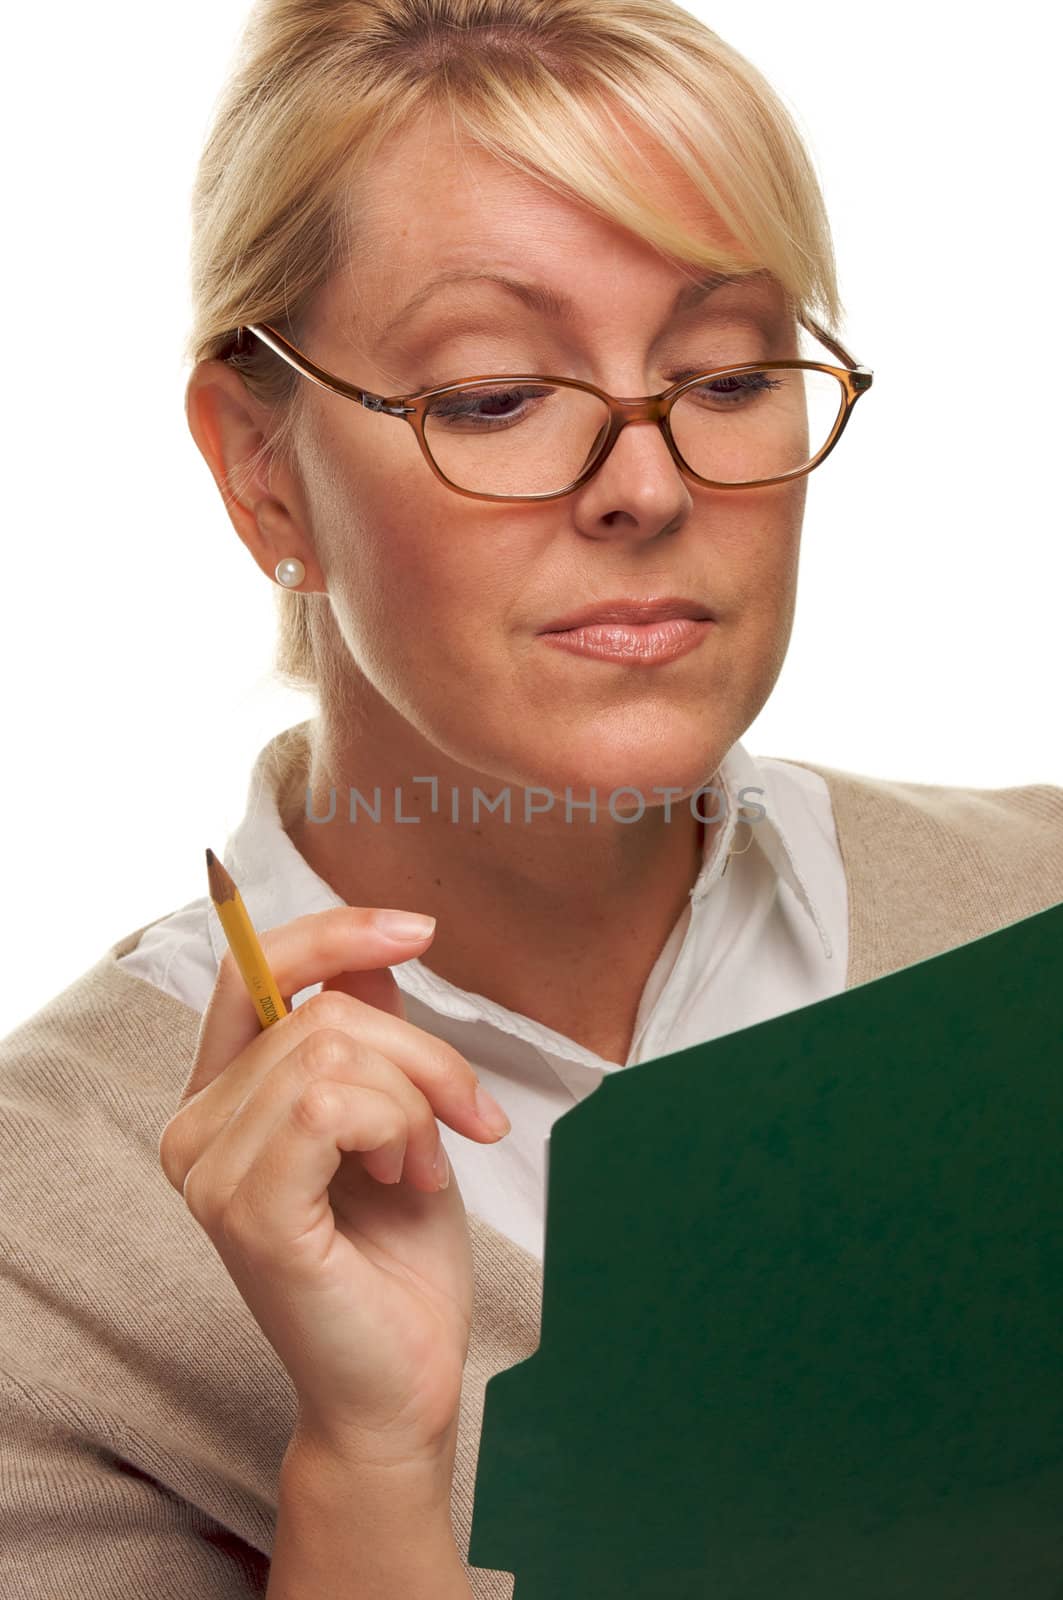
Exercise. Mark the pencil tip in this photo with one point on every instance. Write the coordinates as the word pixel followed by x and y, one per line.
pixel 222 887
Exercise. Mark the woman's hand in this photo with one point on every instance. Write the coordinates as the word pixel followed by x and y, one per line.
pixel 309 1153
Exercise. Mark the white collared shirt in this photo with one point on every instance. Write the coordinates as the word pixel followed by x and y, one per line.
pixel 764 931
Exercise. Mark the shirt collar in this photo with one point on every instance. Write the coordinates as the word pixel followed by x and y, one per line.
pixel 277 883
pixel 748 788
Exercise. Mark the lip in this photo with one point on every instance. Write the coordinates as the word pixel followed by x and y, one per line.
pixel 633 644
pixel 625 611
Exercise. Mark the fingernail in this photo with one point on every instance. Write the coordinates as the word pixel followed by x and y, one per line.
pixel 442 1167
pixel 402 925
pixel 490 1113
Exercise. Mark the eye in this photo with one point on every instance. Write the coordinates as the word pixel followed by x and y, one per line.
pixel 491 406
pixel 744 357
pixel 733 391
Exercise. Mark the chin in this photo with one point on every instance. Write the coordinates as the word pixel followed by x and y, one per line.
pixel 648 766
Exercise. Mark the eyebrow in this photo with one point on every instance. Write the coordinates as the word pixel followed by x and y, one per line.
pixel 552 302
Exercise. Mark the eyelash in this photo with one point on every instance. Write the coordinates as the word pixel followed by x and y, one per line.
pixel 677 375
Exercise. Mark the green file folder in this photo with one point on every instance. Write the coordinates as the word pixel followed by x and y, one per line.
pixel 802 1330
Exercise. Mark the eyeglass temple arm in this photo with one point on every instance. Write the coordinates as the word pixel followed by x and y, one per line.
pixel 326 380
pixel 836 348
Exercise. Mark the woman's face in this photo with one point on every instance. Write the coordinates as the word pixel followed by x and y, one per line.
pixel 442 600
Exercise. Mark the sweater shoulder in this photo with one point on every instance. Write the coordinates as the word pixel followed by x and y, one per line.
pixel 109 1040
pixel 932 866
pixel 958 802
pixel 1021 817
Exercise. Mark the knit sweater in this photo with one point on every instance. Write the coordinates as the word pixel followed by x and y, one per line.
pixel 143 1413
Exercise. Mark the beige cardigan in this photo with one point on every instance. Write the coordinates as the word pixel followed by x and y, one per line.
pixel 143 1414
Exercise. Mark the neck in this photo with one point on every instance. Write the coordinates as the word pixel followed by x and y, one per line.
pixel 561 921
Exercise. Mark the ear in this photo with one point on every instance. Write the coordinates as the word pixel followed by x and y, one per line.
pixel 261 496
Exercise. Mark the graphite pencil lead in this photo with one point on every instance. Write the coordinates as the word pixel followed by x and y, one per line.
pixel 222 887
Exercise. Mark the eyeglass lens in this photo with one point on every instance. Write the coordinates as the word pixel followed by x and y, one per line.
pixel 522 438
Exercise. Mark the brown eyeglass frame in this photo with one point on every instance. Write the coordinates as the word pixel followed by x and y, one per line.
pixel 855 379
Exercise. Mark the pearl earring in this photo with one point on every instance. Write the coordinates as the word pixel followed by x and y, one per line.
pixel 290 572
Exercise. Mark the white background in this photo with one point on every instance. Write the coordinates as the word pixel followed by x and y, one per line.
pixel 137 632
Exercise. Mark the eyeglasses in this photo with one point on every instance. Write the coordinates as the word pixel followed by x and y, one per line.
pixel 537 437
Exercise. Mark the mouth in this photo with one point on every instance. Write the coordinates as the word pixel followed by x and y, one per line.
pixel 631 614
pixel 632 644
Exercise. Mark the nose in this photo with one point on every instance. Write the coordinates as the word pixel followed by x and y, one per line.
pixel 637 491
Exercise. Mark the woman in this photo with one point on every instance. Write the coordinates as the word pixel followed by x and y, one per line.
pixel 248 1316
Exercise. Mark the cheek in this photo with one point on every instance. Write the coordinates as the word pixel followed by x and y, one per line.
pixel 760 554
pixel 413 571
pixel 760 549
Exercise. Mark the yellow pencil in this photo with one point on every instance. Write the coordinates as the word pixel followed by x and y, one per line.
pixel 243 942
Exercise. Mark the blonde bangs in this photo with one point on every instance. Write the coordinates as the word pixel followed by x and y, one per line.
pixel 747 165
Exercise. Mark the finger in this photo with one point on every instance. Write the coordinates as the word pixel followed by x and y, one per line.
pixel 441 1073
pixel 279 1212
pixel 330 1055
pixel 304 951
pixel 375 988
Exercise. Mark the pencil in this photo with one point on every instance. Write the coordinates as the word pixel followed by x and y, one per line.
pixel 243 942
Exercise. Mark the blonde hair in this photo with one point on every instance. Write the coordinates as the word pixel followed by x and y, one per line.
pixel 318 85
